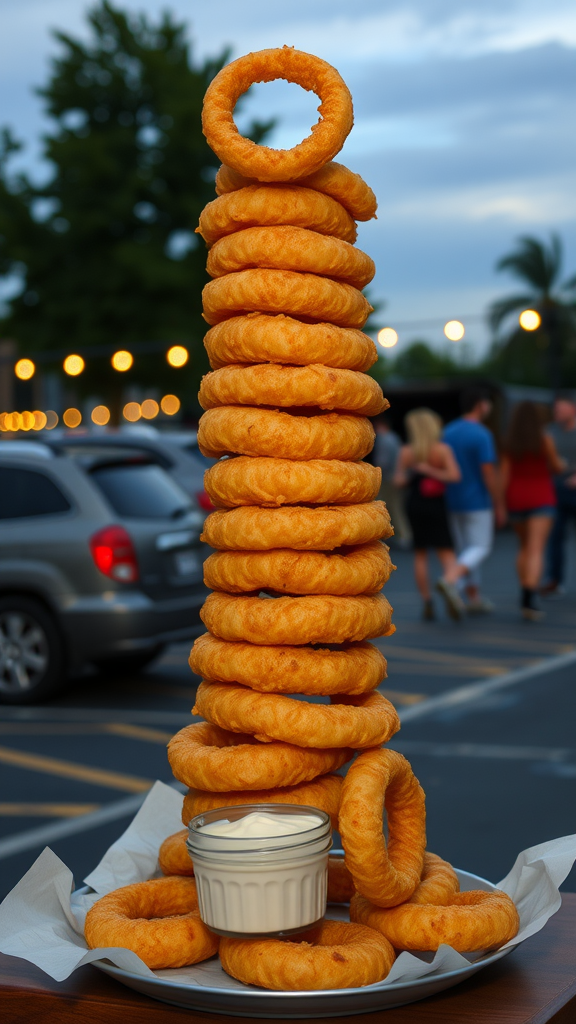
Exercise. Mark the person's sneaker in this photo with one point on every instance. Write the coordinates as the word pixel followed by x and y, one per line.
pixel 480 606
pixel 428 611
pixel 533 614
pixel 454 604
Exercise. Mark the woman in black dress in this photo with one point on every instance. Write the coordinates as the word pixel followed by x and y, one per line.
pixel 425 466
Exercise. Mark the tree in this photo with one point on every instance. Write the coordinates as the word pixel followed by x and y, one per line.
pixel 547 355
pixel 106 248
pixel 417 362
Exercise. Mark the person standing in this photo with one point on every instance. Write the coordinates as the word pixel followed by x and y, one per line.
pixel 425 466
pixel 385 455
pixel 471 503
pixel 563 433
pixel 529 460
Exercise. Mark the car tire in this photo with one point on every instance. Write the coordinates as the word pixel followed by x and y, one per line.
pixel 129 663
pixel 32 655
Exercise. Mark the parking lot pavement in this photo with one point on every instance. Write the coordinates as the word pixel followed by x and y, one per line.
pixel 488 708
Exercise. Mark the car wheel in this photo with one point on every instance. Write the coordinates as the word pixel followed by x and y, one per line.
pixel 129 663
pixel 32 662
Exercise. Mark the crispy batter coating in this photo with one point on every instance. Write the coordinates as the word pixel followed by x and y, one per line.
pixel 381 779
pixel 273 482
pixel 323 793
pixel 340 882
pixel 467 921
pixel 318 386
pixel 313 619
pixel 268 205
pixel 314 75
pixel 203 756
pixel 357 722
pixel 284 247
pixel 250 430
pixel 158 920
pixel 337 955
pixel 173 856
pixel 257 338
pixel 302 529
pixel 351 668
pixel 334 179
pixel 358 570
pixel 304 296
pixel 438 881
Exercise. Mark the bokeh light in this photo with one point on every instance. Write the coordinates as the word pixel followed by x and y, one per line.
pixel 51 419
pixel 177 355
pixel 454 330
pixel 149 408
pixel 170 405
pixel 132 412
pixel 100 415
pixel 24 369
pixel 529 320
pixel 73 365
pixel 72 418
pixel 387 337
pixel 27 420
pixel 122 360
pixel 40 420
pixel 13 420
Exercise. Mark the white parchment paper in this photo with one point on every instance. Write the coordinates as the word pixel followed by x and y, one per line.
pixel 42 919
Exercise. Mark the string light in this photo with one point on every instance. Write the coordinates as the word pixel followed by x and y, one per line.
pixel 170 405
pixel 529 320
pixel 454 330
pixel 24 369
pixel 51 419
pixel 100 415
pixel 72 418
pixel 73 365
pixel 177 355
pixel 40 420
pixel 149 409
pixel 122 360
pixel 387 337
pixel 132 412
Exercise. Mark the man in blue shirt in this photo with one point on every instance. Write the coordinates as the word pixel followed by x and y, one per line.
pixel 471 502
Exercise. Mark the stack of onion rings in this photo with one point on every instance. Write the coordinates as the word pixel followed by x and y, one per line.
pixel 173 856
pixel 322 792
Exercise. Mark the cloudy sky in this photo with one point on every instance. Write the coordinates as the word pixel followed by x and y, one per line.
pixel 464 111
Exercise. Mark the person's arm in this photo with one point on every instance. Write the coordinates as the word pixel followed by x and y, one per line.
pixel 448 473
pixel 400 478
pixel 493 482
pixel 556 463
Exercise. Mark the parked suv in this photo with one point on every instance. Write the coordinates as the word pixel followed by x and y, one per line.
pixel 99 562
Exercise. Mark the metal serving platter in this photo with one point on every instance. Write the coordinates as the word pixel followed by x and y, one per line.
pixel 207 987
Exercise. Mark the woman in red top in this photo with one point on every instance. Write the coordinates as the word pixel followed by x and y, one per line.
pixel 529 461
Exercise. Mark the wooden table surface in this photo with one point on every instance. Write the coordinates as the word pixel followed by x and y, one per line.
pixel 533 985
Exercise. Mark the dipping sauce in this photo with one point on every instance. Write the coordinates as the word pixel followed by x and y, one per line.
pixel 262 825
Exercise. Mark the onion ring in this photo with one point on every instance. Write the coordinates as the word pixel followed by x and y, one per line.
pixel 467 921
pixel 317 386
pixel 273 482
pixel 438 881
pixel 250 430
pixel 358 570
pixel 270 205
pixel 340 882
pixel 352 668
pixel 257 338
pixel 202 756
pixel 337 955
pixel 173 856
pixel 322 529
pixel 356 722
pixel 158 920
pixel 313 619
pixel 333 179
pixel 378 779
pixel 304 296
pixel 285 247
pixel 313 74
pixel 323 793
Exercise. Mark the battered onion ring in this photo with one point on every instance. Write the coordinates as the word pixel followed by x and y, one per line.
pixel 357 722
pixel 313 74
pixel 265 206
pixel 250 430
pixel 337 955
pixel 318 386
pixel 352 668
pixel 284 247
pixel 256 338
pixel 359 570
pixel 340 882
pixel 467 921
pixel 260 529
pixel 313 619
pixel 333 179
pixel 203 756
pixel 304 296
pixel 273 482
pixel 158 920
pixel 173 856
pixel 378 779
pixel 323 793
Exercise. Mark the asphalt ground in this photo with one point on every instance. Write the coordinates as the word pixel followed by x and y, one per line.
pixel 488 708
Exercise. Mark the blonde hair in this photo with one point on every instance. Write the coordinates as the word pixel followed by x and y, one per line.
pixel 424 428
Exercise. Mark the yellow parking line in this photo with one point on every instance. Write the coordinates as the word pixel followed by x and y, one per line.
pixel 138 732
pixel 70 770
pixel 47 810
pixel 398 697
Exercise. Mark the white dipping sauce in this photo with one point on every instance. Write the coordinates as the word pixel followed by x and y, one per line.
pixel 262 825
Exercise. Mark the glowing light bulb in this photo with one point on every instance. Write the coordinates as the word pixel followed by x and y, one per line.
pixel 72 418
pixel 149 409
pixel 51 419
pixel 170 405
pixel 122 361
pixel 454 330
pixel 24 369
pixel 177 355
pixel 387 337
pixel 40 420
pixel 73 365
pixel 132 412
pixel 529 320
pixel 100 415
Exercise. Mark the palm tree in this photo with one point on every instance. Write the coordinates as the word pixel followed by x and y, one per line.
pixel 539 266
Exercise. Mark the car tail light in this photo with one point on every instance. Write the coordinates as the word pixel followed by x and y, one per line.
pixel 204 501
pixel 114 555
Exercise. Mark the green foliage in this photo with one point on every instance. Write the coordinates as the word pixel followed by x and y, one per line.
pixel 107 247
pixel 418 362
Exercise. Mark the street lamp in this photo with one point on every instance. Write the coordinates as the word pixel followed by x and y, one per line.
pixel 529 320
pixel 387 337
pixel 24 369
pixel 454 330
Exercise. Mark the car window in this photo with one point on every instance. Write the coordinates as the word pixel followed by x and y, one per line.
pixel 24 492
pixel 140 491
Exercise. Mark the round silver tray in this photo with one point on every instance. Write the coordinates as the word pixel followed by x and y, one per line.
pixel 247 1001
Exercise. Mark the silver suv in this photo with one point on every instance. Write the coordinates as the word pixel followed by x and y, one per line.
pixel 100 562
